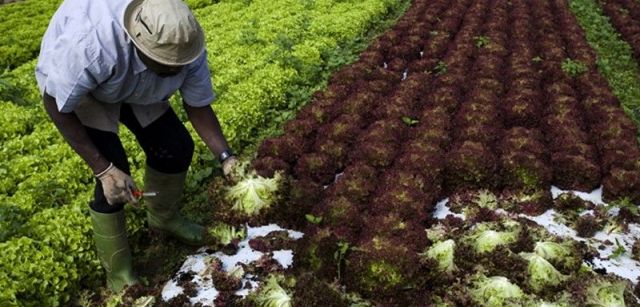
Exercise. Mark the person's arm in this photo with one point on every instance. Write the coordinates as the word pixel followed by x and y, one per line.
pixel 76 135
pixel 197 94
pixel 206 124
pixel 118 187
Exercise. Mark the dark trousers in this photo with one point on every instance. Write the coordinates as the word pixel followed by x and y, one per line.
pixel 166 143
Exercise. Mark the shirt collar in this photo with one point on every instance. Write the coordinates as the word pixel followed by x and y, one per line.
pixel 138 65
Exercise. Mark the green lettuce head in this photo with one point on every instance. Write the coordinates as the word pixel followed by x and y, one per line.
pixel 443 253
pixel 271 294
pixel 495 291
pixel 254 193
pixel 541 273
pixel 606 293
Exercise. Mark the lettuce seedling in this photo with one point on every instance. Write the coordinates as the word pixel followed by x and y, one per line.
pixel 225 234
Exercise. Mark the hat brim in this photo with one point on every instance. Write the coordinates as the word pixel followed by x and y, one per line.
pixel 129 19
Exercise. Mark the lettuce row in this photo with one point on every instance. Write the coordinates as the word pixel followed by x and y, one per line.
pixel 615 56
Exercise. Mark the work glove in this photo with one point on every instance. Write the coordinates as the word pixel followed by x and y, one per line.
pixel 118 187
pixel 228 166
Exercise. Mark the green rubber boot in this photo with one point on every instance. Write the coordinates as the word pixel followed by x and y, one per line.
pixel 110 235
pixel 163 210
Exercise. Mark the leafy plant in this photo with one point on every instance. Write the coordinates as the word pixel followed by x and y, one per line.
pixel 23 25
pixel 9 92
pixel 481 41
pixel 254 193
pixel 340 254
pixel 619 251
pixel 574 68
pixel 606 293
pixel 313 219
pixel 443 252
pixel 224 234
pixel 484 238
pixel 624 203
pixel 495 291
pixel 440 69
pixel 541 273
pixel 409 121
pixel 271 294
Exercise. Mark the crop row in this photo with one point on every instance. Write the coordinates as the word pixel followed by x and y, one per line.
pixel 612 131
pixel 392 179
pixel 389 148
pixel 263 55
pixel 625 16
pixel 508 93
pixel 269 72
pixel 615 57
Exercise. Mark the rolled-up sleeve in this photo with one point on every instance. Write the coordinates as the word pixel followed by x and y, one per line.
pixel 74 67
pixel 197 90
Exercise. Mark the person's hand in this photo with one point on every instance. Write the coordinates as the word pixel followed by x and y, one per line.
pixel 228 166
pixel 118 187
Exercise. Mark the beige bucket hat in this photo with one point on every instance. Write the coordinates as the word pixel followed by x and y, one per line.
pixel 164 30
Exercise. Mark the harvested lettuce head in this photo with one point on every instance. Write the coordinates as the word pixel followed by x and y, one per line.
pixel 565 256
pixel 541 273
pixel 271 294
pixel 551 250
pixel 606 293
pixel 443 253
pixel 486 240
pixel 495 291
pixel 253 193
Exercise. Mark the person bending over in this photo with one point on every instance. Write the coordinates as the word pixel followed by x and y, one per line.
pixel 103 63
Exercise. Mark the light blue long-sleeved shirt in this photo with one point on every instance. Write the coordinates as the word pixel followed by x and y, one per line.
pixel 86 50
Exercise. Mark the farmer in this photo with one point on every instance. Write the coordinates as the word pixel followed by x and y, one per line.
pixel 103 63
